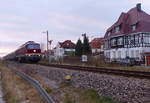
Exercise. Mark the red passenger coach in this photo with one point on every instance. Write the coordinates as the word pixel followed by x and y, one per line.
pixel 28 52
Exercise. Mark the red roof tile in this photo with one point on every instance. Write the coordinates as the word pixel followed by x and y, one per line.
pixel 133 16
pixel 67 44
pixel 97 42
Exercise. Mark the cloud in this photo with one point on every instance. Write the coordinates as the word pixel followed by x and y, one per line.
pixel 23 20
pixel 5 50
pixel 73 24
pixel 66 26
pixel 12 17
pixel 7 47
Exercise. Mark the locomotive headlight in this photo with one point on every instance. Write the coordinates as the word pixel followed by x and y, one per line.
pixel 34 50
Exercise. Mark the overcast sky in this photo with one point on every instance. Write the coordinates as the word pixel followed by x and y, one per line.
pixel 24 20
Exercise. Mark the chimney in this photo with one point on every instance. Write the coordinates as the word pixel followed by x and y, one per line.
pixel 138 6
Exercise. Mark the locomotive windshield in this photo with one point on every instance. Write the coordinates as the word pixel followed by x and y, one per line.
pixel 33 46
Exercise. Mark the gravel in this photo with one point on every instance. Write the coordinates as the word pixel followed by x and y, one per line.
pixel 123 89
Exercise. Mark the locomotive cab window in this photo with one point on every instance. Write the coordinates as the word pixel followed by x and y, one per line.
pixel 33 46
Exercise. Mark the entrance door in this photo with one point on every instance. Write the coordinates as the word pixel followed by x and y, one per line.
pixel 148 60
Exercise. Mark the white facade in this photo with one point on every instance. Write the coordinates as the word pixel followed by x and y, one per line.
pixel 98 50
pixel 95 50
pixel 123 53
pixel 130 48
pixel 60 52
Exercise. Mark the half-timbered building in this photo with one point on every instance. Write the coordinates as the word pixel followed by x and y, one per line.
pixel 129 37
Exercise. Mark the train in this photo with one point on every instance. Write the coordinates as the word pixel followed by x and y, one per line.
pixel 28 52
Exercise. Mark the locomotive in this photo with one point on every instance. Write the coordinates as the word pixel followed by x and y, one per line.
pixel 28 52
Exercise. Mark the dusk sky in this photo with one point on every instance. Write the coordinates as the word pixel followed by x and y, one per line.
pixel 25 20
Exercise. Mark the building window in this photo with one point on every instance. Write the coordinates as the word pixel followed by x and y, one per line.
pixel 146 39
pixel 132 40
pixel 114 55
pixel 117 29
pixel 133 27
pixel 109 32
pixel 126 40
pixel 129 39
pixel 108 54
pixel 136 39
pixel 106 44
pixel 113 42
pixel 132 53
pixel 127 53
pixel 120 41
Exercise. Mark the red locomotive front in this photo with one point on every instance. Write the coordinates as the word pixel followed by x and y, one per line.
pixel 28 52
pixel 33 52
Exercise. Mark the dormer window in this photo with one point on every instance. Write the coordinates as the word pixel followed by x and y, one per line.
pixel 109 32
pixel 133 27
pixel 117 29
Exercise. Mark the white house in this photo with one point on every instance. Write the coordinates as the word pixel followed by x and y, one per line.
pixel 64 49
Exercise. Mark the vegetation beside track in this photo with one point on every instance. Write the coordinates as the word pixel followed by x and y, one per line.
pixel 78 95
pixel 99 62
pixel 16 89
pixel 67 93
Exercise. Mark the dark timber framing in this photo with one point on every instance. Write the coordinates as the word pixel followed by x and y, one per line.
pixel 129 41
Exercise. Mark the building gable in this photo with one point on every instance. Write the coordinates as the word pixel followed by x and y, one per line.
pixel 133 19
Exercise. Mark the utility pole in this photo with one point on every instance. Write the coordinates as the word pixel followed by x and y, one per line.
pixel 47 40
pixel 47 51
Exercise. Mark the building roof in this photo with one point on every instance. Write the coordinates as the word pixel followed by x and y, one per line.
pixel 132 17
pixel 97 42
pixel 67 44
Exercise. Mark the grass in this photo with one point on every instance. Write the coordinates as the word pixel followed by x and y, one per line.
pixel 68 99
pixel 78 95
pixel 91 96
pixel 99 62
pixel 87 96
pixel 66 93
pixel 16 89
pixel 48 89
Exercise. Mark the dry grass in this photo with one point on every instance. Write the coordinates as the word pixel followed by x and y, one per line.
pixel 99 62
pixel 16 89
pixel 66 93
pixel 41 81
pixel 69 94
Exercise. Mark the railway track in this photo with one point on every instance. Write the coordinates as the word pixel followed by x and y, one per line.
pixel 34 83
pixel 127 73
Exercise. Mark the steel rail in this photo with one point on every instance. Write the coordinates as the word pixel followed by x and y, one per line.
pixel 36 84
pixel 127 73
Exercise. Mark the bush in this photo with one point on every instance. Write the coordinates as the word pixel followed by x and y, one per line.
pixel 68 99
pixel 92 96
